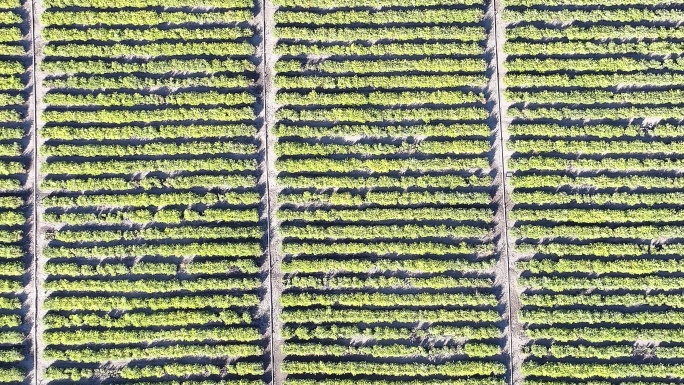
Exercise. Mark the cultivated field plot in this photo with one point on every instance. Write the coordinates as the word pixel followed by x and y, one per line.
pixel 153 238
pixel 14 198
pixel 385 190
pixel 598 194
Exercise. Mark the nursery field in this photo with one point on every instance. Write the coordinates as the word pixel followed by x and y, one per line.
pixel 596 141
pixel 384 194
pixel 15 200
pixel 339 192
pixel 151 210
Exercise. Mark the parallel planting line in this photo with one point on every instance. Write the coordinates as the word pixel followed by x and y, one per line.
pixel 151 143
pixel 595 93
pixel 384 196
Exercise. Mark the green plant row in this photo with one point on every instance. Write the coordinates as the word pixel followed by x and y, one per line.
pixel 13 269
pixel 555 317
pixel 424 147
pixel 10 236
pixel 389 351
pixel 381 231
pixel 607 334
pixel 595 232
pixel 9 184
pixel 382 282
pixel 147 132
pixel 619 113
pixel 159 200
pixel 574 15
pixel 149 183
pixel 135 166
pixel 10 100
pixel 153 286
pixel 10 150
pixel 11 202
pixel 11 286
pixel 163 250
pixel 378 98
pixel 10 116
pixel 587 47
pixel 382 66
pixel 336 332
pixel 441 16
pixel 11 83
pixel 11 338
pixel 593 80
pixel 379 214
pixel 381 165
pixel 151 233
pixel 10 17
pixel 7 133
pixel 451 381
pixel 140 81
pixel 148 116
pixel 71 67
pixel 389 198
pixel 147 34
pixel 388 248
pixel 644 282
pixel 361 299
pixel 675 301
pixel 109 303
pixel 446 130
pixel 633 267
pixel 11 67
pixel 404 49
pixel 367 3
pixel 422 265
pixel 158 371
pixel 530 32
pixel 397 33
pixel 597 96
pixel 141 17
pixel 599 181
pixel 599 198
pixel 359 315
pixel 449 369
pixel 601 249
pixel 367 115
pixel 90 355
pixel 9 375
pixel 119 99
pixel 11 218
pixel 581 351
pixel 621 64
pixel 148 149
pixel 381 81
pixel 10 34
pixel 583 164
pixel 146 3
pixel 148 50
pixel 158 216
pixel 11 355
pixel 149 268
pixel 172 318
pixel 401 181
pixel 600 216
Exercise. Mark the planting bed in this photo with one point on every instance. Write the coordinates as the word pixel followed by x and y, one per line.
pixel 385 186
pixel 15 200
pixel 596 149
pixel 153 249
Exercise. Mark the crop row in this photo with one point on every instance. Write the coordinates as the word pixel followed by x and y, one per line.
pixel 597 203
pixel 109 217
